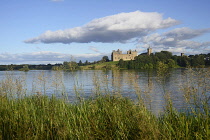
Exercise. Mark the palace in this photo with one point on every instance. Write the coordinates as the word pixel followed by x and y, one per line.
pixel 117 55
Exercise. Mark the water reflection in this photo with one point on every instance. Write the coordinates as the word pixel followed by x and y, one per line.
pixel 130 83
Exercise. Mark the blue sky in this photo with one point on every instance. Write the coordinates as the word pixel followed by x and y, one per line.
pixel 53 31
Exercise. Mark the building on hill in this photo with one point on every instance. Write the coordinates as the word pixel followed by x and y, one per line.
pixel 117 55
pixel 182 54
pixel 149 51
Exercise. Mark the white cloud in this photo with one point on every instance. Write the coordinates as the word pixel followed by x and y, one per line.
pixel 178 40
pixel 116 28
pixel 94 49
pixel 45 57
pixel 186 33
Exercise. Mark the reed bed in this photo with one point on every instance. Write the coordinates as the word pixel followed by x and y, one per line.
pixel 104 115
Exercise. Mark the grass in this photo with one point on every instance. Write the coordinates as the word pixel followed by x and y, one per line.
pixel 101 66
pixel 102 116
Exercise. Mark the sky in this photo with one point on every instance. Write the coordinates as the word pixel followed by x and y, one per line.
pixel 53 31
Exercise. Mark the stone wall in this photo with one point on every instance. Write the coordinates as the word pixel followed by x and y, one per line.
pixel 117 55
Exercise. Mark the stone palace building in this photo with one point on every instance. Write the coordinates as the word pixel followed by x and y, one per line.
pixel 117 55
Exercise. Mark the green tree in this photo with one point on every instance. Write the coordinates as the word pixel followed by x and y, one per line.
pixel 131 65
pixel 25 68
pixel 61 67
pixel 72 65
pixel 183 61
pixel 80 63
pixel 197 61
pixel 161 68
pixel 105 59
pixel 122 64
pixel 171 63
pixel 150 66
pixel 86 62
pixel 10 67
pixel 163 55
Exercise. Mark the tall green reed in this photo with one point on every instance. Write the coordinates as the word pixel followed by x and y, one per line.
pixel 103 115
pixel 193 122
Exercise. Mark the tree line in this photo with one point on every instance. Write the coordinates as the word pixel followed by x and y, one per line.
pixel 73 65
pixel 144 61
pixel 26 67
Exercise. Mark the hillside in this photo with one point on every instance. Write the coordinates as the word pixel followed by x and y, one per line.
pixel 102 65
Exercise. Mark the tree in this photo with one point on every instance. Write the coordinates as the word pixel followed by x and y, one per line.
pixel 161 68
pixel 80 63
pixel 66 65
pixel 171 63
pixel 197 61
pixel 131 65
pixel 122 64
pixel 72 65
pixel 163 55
pixel 25 68
pixel 86 62
pixel 10 67
pixel 105 59
pixel 183 61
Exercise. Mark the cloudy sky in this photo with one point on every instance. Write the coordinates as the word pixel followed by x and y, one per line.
pixel 53 31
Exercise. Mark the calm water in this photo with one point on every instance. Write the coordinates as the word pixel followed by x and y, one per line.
pixel 153 89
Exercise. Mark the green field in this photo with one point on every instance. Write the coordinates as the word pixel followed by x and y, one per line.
pixel 100 66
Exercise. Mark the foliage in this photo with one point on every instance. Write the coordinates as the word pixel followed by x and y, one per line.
pixel 80 63
pixel 105 59
pixel 163 55
pixel 30 67
pixel 25 68
pixel 61 67
pixel 171 63
pixel 103 116
pixel 141 61
pixel 183 61
pixel 87 63
pixel 101 66
pixel 72 65
pixel 144 61
pixel 197 61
